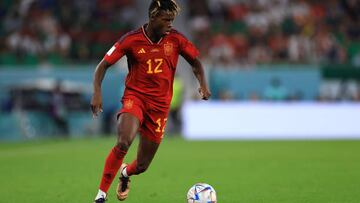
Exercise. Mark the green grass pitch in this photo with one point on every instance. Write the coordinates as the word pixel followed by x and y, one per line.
pixel 64 171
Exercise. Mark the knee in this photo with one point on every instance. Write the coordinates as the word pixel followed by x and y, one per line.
pixel 123 140
pixel 123 145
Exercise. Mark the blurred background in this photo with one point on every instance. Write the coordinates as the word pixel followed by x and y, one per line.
pixel 276 68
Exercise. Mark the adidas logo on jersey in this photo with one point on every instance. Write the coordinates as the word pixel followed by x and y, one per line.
pixel 141 51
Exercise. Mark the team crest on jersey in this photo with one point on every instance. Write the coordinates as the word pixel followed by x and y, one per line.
pixel 168 48
pixel 128 104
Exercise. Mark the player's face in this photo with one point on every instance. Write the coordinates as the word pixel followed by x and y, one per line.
pixel 162 22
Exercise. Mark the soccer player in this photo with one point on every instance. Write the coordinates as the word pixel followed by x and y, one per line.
pixel 152 53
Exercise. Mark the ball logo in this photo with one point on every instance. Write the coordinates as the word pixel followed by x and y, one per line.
pixel 128 104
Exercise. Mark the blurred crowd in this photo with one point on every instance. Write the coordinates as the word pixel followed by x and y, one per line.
pixel 233 32
pixel 55 32
pixel 229 32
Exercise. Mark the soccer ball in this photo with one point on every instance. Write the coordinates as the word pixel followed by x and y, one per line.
pixel 201 193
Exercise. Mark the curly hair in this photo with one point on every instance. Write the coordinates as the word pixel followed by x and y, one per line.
pixel 165 5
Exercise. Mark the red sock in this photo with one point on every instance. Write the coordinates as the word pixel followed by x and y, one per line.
pixel 112 165
pixel 131 168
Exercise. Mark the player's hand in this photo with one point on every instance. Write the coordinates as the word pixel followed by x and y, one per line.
pixel 204 93
pixel 96 104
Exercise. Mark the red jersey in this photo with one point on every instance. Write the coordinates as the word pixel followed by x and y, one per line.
pixel 151 65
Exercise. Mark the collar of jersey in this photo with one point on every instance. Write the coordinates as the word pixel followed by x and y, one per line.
pixel 151 42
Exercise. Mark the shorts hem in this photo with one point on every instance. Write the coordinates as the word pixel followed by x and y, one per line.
pixel 134 114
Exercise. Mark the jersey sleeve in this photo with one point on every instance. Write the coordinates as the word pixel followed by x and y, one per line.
pixel 117 51
pixel 187 49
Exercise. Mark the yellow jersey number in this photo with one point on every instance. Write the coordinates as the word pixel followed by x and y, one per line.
pixel 161 126
pixel 154 66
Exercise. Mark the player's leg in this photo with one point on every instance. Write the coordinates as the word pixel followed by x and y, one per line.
pixel 127 128
pixel 152 131
pixel 146 152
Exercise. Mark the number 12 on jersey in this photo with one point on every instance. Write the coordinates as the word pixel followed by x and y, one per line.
pixel 154 66
pixel 161 125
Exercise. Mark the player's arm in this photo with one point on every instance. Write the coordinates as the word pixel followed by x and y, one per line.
pixel 96 100
pixel 111 57
pixel 199 73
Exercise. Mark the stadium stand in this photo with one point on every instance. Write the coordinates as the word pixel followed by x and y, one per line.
pixel 227 31
pixel 61 32
pixel 277 31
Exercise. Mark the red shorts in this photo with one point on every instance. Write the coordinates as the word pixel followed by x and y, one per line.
pixel 152 120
